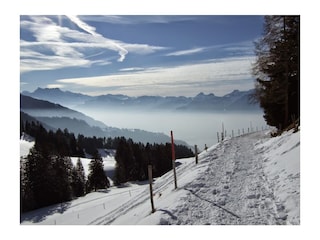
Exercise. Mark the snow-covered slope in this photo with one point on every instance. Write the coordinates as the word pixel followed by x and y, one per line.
pixel 252 179
pixel 26 143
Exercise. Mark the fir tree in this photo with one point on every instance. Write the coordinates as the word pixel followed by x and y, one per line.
pixel 277 70
pixel 78 179
pixel 97 178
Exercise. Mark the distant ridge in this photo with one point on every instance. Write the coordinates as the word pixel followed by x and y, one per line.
pixel 234 101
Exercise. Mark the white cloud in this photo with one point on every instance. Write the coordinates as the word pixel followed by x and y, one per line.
pixel 55 86
pixel 131 69
pixel 38 61
pixel 186 52
pixel 54 42
pixel 142 48
pixel 91 30
pixel 228 74
pixel 137 19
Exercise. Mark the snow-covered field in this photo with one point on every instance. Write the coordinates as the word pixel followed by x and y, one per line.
pixel 247 180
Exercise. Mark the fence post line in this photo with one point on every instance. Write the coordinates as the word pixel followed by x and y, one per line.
pixel 218 136
pixel 173 161
pixel 196 153
pixel 150 186
pixel 222 133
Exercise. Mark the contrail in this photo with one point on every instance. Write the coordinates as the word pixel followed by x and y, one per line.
pixel 91 30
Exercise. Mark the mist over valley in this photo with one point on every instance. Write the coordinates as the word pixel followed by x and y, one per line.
pixel 146 118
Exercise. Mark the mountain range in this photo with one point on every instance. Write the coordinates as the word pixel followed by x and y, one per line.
pixel 234 101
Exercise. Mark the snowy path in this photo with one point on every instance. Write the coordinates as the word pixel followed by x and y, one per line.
pixel 233 190
pixel 248 180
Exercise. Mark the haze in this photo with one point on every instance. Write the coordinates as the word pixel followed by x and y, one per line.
pixel 192 127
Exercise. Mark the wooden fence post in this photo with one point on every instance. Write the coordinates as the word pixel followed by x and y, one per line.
pixel 218 136
pixel 150 184
pixel 196 153
pixel 173 162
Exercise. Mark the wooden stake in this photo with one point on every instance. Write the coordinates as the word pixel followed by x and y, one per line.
pixel 196 153
pixel 173 162
pixel 150 184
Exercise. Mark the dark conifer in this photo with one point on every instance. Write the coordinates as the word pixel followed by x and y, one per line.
pixel 78 179
pixel 97 178
pixel 278 70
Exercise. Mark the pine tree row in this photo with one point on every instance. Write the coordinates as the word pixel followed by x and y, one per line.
pixel 132 160
pixel 47 179
pixel 47 175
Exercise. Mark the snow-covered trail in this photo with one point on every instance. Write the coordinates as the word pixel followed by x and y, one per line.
pixel 232 190
pixel 248 180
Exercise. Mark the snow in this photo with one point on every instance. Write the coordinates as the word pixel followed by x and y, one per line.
pixel 26 143
pixel 108 162
pixel 282 160
pixel 248 180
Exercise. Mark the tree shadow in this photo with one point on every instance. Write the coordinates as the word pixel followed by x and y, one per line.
pixel 169 213
pixel 103 190
pixel 129 184
pixel 41 214
pixel 213 203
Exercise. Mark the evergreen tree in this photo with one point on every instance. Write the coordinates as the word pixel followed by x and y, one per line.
pixel 123 156
pixel 97 178
pixel 277 70
pixel 78 179
pixel 61 186
pixel 27 201
pixel 39 174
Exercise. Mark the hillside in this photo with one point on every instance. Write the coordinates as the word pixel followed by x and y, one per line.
pixel 252 179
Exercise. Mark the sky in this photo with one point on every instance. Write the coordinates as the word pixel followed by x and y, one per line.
pixel 165 55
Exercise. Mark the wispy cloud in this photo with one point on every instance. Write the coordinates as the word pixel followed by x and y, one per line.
pixel 91 30
pixel 186 52
pixel 54 46
pixel 238 49
pixel 228 74
pixel 132 69
pixel 55 86
pixel 138 19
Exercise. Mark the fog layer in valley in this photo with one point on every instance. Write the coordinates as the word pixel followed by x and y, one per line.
pixel 193 127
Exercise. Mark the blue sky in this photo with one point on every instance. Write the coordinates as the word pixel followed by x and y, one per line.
pixel 138 54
